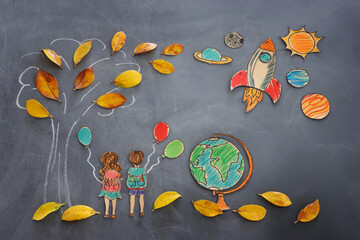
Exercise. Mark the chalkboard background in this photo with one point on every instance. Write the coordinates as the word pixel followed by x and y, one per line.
pixel 303 158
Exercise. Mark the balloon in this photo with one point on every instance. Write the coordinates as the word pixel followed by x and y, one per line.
pixel 173 149
pixel 161 131
pixel 85 136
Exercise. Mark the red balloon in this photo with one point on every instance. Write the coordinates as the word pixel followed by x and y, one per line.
pixel 161 131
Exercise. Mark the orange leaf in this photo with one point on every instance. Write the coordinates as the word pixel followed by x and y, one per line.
pixel 309 213
pixel 53 56
pixel 84 79
pixel 163 66
pixel 144 47
pixel 118 41
pixel 111 100
pixel 47 85
pixel 173 49
pixel 81 52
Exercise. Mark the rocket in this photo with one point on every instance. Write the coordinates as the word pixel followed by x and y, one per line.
pixel 258 77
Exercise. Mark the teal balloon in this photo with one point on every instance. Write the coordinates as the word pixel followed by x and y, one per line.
pixel 85 136
pixel 173 149
pixel 211 54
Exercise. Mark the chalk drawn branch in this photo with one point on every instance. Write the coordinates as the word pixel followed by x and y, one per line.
pixel 55 154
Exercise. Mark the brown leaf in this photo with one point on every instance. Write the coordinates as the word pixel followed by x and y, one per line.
pixel 144 47
pixel 173 49
pixel 81 52
pixel 84 79
pixel 309 213
pixel 163 66
pixel 118 41
pixel 53 56
pixel 47 85
pixel 111 100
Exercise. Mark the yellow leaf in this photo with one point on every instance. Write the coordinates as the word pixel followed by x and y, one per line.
pixel 53 56
pixel 173 49
pixel 47 85
pixel 46 209
pixel 163 66
pixel 81 52
pixel 118 41
pixel 35 109
pixel 84 79
pixel 144 47
pixel 165 199
pixel 207 208
pixel 309 213
pixel 128 79
pixel 277 198
pixel 252 212
pixel 78 212
pixel 111 100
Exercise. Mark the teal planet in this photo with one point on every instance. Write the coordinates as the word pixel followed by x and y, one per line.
pixel 216 164
pixel 211 54
pixel 298 78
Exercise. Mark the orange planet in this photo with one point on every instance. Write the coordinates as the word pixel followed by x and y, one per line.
pixel 315 106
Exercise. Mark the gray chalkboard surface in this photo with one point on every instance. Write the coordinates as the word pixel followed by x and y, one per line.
pixel 303 158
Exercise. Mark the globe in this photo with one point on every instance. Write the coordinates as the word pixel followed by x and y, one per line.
pixel 216 164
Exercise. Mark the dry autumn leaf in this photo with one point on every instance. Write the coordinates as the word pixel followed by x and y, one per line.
pixel 53 56
pixel 78 212
pixel 165 199
pixel 162 66
pixel 128 79
pixel 111 100
pixel 207 208
pixel 47 85
pixel 173 49
pixel 84 79
pixel 309 213
pixel 277 198
pixel 144 47
pixel 36 109
pixel 118 42
pixel 46 209
pixel 81 52
pixel 252 212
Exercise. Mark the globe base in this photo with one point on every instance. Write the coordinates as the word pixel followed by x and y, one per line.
pixel 221 202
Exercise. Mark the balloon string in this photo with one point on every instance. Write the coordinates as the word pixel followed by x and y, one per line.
pixel 148 158
pixel 157 163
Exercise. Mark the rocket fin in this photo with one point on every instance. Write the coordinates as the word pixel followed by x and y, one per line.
pixel 239 79
pixel 274 90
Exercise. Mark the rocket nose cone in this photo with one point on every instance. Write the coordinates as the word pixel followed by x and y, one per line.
pixel 268 45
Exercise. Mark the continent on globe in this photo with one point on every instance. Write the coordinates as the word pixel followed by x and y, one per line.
pixel 216 164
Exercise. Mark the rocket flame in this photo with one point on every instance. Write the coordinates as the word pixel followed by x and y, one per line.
pixel 252 97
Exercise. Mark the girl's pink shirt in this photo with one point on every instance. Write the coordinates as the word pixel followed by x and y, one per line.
pixel 111 182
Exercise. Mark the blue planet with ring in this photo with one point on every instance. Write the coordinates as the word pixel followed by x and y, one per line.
pixel 298 78
pixel 212 56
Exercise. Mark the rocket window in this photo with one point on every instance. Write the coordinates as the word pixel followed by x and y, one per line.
pixel 265 57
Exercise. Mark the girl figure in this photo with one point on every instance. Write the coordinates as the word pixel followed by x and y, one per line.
pixel 136 181
pixel 111 181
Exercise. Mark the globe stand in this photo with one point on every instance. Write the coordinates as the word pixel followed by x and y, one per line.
pixel 221 202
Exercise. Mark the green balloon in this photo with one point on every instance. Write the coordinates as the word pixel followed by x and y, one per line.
pixel 173 149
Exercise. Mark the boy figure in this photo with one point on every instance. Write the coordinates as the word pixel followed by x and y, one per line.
pixel 136 181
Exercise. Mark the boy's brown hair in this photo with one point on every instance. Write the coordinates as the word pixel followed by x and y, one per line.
pixel 136 157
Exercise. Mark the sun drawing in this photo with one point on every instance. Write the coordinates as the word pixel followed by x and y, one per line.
pixel 301 42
